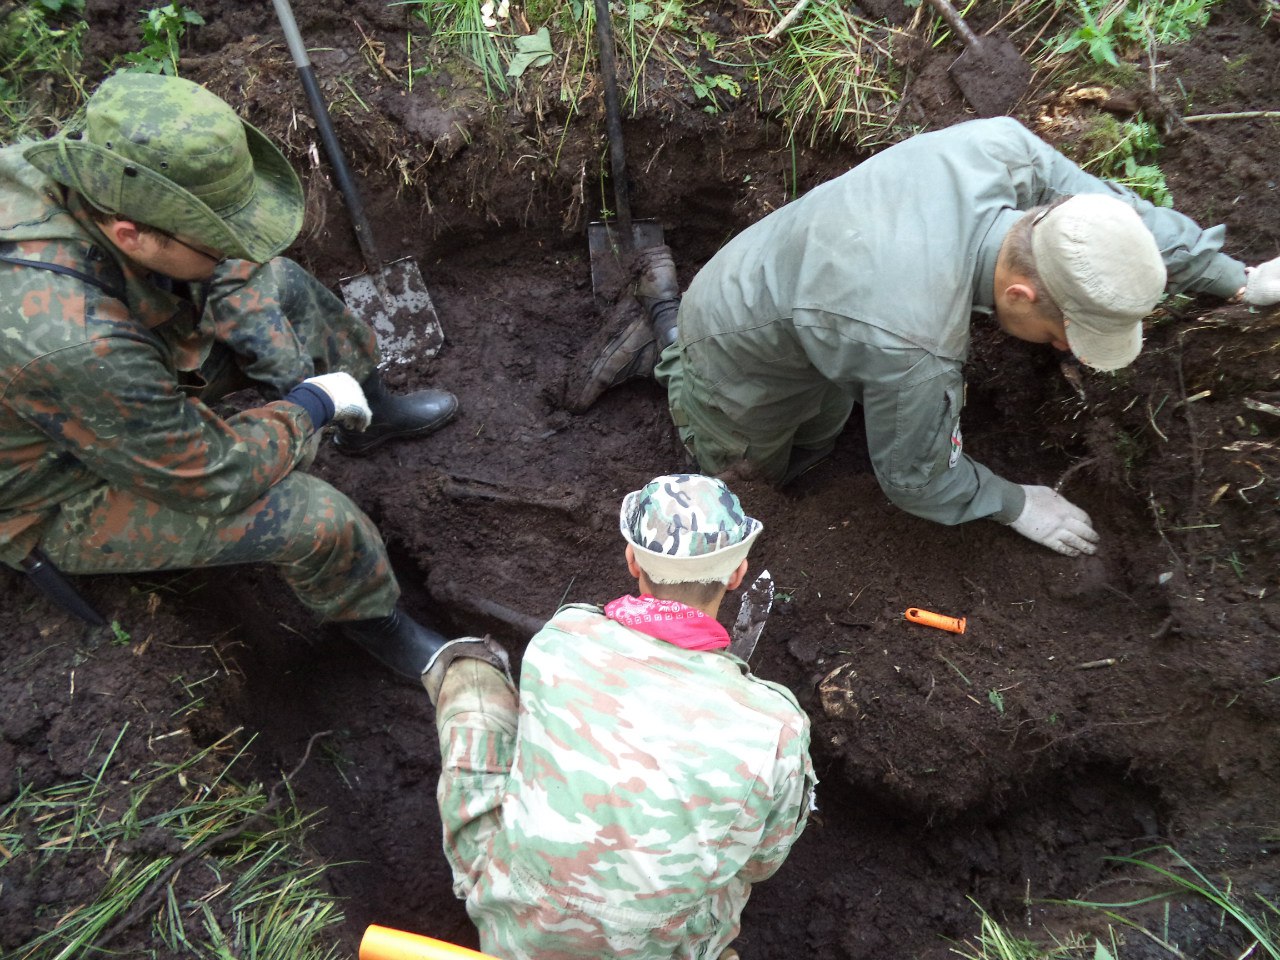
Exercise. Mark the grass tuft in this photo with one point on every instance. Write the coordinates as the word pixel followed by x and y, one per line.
pixel 40 76
pixel 1184 877
pixel 835 78
pixel 994 942
pixel 259 899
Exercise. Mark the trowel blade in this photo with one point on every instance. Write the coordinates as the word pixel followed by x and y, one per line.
pixel 405 321
pixel 752 614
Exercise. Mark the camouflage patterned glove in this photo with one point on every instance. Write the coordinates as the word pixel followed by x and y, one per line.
pixel 350 409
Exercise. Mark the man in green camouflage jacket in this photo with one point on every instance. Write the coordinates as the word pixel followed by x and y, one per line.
pixel 625 802
pixel 139 281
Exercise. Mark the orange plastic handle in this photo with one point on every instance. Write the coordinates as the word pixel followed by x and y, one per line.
pixel 936 620
pixel 383 943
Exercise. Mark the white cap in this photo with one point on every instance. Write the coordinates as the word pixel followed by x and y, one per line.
pixel 1101 266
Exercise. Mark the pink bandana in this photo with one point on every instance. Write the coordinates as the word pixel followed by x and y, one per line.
pixel 668 620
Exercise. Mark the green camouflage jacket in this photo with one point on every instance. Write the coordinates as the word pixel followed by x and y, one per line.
pixel 89 379
pixel 651 787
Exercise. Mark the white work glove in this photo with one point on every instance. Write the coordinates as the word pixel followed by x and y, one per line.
pixel 1052 520
pixel 1262 286
pixel 350 408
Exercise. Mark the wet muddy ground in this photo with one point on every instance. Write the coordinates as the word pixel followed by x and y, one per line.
pixel 1093 707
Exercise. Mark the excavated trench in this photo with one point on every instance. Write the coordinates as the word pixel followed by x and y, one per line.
pixel 1093 707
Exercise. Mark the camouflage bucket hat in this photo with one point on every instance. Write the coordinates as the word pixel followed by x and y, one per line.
pixel 168 153
pixel 687 528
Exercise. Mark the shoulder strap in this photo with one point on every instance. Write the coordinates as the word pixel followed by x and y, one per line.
pixel 102 285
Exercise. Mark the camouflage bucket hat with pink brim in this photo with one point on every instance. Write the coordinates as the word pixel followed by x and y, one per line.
pixel 168 153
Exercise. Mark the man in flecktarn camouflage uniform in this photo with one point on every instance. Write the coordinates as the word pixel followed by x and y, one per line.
pixel 140 279
pixel 626 800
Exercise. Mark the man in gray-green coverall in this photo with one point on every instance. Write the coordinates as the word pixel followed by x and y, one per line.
pixel 862 292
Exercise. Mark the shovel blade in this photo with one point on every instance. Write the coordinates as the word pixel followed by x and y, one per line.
pixel 609 261
pixel 401 312
pixel 992 77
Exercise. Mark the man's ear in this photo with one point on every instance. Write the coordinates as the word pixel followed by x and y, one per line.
pixel 735 581
pixel 124 234
pixel 1018 292
pixel 633 568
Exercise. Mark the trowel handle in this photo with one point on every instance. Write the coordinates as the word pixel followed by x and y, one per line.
pixel 329 139
pixel 956 23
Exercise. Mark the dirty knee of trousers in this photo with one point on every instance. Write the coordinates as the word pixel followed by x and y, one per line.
pixel 469 686
pixel 475 694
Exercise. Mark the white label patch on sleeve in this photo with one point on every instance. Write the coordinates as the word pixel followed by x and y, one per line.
pixel 957 446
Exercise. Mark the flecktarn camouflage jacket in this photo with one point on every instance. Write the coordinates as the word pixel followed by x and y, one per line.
pixel 89 388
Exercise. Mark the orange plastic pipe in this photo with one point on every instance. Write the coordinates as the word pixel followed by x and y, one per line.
pixel 936 620
pixel 383 943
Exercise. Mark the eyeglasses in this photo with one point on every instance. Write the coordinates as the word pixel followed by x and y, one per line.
pixel 216 259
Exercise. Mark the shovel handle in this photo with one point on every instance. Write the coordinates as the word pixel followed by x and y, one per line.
pixel 613 124
pixel 956 23
pixel 329 139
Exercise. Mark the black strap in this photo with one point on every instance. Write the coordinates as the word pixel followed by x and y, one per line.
pixel 102 285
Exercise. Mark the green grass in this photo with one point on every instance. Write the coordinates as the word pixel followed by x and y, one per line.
pixel 834 77
pixel 830 77
pixel 162 31
pixel 1108 32
pixel 260 898
pixel 1254 916
pixel 458 25
pixel 40 60
pixel 1124 152
pixel 994 942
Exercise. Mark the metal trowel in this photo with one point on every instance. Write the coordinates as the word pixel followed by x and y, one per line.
pixel 756 604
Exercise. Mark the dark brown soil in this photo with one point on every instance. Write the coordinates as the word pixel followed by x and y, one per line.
pixel 1094 707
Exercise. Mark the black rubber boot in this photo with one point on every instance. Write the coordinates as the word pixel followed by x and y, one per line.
pixel 397 641
pixel 412 415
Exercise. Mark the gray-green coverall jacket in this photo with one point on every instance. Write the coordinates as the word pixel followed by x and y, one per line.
pixel 862 290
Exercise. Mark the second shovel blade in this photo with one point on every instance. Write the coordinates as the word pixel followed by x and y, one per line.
pixel 609 263
pixel 992 78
